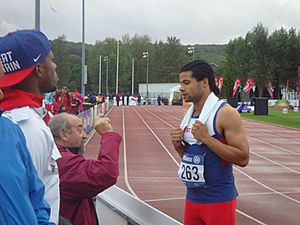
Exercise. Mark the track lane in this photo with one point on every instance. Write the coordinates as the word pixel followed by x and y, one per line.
pixel 150 170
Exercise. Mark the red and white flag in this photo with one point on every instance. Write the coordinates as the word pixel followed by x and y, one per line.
pixel 217 81
pixel 268 85
pixel 250 83
pixel 220 84
pixel 298 86
pixel 237 83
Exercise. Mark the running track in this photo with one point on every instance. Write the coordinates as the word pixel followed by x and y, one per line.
pixel 269 187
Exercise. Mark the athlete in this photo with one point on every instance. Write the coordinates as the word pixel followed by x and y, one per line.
pixel 210 139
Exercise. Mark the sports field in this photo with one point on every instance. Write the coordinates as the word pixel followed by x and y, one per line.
pixel 277 116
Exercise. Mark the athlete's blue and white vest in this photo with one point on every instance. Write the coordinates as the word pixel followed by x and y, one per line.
pixel 208 178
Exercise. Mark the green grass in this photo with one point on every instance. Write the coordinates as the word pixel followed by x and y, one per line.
pixel 290 119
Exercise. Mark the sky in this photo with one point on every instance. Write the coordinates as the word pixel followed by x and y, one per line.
pixel 191 21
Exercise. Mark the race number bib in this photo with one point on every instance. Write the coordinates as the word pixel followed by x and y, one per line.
pixel 191 170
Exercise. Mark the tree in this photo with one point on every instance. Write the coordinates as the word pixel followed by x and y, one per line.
pixel 258 48
pixel 61 54
pixel 278 51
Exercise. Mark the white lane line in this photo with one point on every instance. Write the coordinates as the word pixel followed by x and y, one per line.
pixel 170 125
pixel 176 118
pixel 172 157
pixel 239 211
pixel 251 217
pixel 277 134
pixel 270 193
pixel 277 163
pixel 164 199
pixel 275 146
pixel 125 158
pixel 267 187
pixel 151 177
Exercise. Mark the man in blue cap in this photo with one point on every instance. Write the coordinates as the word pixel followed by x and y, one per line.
pixel 29 72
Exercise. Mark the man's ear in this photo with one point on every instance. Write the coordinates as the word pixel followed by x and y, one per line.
pixel 1 95
pixel 38 71
pixel 1 70
pixel 205 82
pixel 63 135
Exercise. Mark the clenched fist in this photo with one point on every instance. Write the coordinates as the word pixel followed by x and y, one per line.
pixel 176 137
pixel 199 130
pixel 102 125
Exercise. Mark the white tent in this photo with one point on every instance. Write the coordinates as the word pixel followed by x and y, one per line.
pixel 175 94
pixel 156 89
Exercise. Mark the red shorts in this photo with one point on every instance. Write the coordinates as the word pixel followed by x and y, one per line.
pixel 210 214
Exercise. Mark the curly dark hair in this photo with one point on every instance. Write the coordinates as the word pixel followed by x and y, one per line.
pixel 200 70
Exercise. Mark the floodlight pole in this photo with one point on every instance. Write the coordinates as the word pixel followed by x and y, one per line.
pixel 132 77
pixel 191 50
pixel 105 58
pixel 100 70
pixel 83 52
pixel 146 56
pixel 37 15
pixel 117 69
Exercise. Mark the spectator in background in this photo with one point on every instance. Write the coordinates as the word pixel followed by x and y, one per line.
pixel 74 104
pixel 118 99
pixel 52 108
pixel 50 104
pixel 123 99
pixel 79 97
pixel 82 179
pixel 103 99
pixel 159 100
pixel 48 98
pixel 62 108
pixel 92 98
pixel 24 86
pixel 64 97
pixel 139 99
pixel 127 99
pixel 111 98
pixel 57 96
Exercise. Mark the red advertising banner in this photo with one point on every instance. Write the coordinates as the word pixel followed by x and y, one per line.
pixel 268 85
pixel 237 83
pixel 250 83
pixel 217 81
pixel 220 84
pixel 298 86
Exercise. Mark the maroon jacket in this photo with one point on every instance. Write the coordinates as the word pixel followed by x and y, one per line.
pixel 82 179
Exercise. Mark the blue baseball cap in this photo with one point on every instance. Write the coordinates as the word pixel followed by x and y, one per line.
pixel 20 52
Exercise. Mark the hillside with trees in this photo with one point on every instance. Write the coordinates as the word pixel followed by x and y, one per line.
pixel 165 59
pixel 262 55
